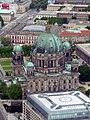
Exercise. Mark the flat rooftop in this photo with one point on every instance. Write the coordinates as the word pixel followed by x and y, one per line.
pixel 74 5
pixel 84 48
pixel 62 105
pixel 47 12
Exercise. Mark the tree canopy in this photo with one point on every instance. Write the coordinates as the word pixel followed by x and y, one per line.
pixel 86 9
pixel 82 89
pixel 6 51
pixel 53 20
pixel 87 93
pixel 84 71
pixel 88 27
pixel 15 91
pixel 39 4
pixel 3 89
pixel 5 41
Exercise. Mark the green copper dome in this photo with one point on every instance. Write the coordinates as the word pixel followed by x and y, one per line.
pixel 17 48
pixel 66 45
pixel 14 81
pixel 29 64
pixel 68 67
pixel 47 42
pixel 75 61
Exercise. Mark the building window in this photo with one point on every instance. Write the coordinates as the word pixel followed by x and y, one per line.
pixel 31 86
pixel 75 81
pixel 69 87
pixel 42 89
pixel 36 89
pixel 39 63
pixel 49 82
pixel 36 84
pixel 41 84
pixel 42 63
pixel 50 63
pixel 54 89
pixel 64 81
pixel 69 81
pixel 49 88
pixel 64 87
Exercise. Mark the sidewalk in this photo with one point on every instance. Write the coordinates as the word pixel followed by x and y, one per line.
pixel 11 117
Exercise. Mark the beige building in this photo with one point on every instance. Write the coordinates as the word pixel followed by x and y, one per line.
pixel 54 7
pixel 22 38
pixel 82 16
pixel 23 6
pixel 7 15
pixel 75 35
pixel 75 7
pixel 46 14
pixel 27 36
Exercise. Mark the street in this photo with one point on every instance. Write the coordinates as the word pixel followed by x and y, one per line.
pixel 18 23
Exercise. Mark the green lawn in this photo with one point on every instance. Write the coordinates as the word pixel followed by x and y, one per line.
pixel 4 63
pixel 6 66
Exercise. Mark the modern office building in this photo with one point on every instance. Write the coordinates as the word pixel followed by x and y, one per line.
pixel 83 51
pixel 72 105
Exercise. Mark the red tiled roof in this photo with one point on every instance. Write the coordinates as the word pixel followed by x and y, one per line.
pixel 72 34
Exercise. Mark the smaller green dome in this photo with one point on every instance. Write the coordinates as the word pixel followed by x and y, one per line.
pixel 29 64
pixel 75 61
pixel 66 45
pixel 14 81
pixel 68 67
pixel 17 48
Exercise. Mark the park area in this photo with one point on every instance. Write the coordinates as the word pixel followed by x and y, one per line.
pixel 6 65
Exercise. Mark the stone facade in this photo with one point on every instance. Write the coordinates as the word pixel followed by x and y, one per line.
pixel 51 67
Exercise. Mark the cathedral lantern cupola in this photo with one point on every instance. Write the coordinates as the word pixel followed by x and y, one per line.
pixel 17 54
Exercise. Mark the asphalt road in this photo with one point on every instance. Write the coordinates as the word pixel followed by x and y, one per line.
pixel 18 23
pixel 1 116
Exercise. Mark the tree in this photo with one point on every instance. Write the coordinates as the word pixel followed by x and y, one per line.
pixel 3 90
pixel 88 27
pixel 5 41
pixel 82 89
pixel 87 93
pixel 84 71
pixel 2 21
pixel 39 4
pixel 88 17
pixel 15 91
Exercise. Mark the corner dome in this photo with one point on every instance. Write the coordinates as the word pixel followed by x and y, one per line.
pixel 48 43
pixel 29 64
pixel 75 61
pixel 66 45
pixel 68 67
pixel 17 48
